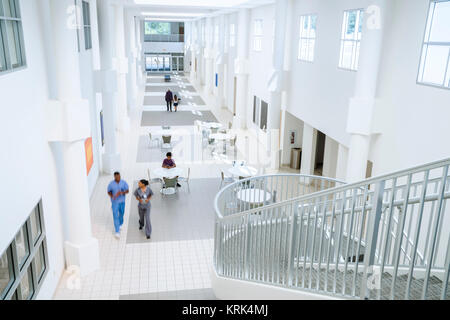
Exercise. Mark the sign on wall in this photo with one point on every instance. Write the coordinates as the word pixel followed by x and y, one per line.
pixel 89 154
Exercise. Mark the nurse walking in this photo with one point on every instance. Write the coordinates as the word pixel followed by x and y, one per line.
pixel 143 194
pixel 117 189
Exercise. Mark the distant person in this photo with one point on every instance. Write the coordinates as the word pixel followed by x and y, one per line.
pixel 169 100
pixel 176 102
pixel 143 194
pixel 168 162
pixel 117 189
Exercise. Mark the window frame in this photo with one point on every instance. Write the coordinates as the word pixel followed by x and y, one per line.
pixel 356 41
pixel 16 21
pixel 258 37
pixel 29 265
pixel 423 56
pixel 300 38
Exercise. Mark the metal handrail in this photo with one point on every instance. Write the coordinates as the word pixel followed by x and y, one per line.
pixel 330 238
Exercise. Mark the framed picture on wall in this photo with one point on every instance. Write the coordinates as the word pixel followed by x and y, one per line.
pixel 293 136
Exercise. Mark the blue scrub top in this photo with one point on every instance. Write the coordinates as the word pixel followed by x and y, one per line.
pixel 115 187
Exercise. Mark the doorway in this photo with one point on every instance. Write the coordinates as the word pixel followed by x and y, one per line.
pixel 320 153
pixel 164 63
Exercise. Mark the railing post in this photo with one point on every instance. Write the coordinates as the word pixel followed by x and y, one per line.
pixel 292 246
pixel 372 235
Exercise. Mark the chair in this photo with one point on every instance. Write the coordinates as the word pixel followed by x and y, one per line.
pixel 154 180
pixel 186 179
pixel 153 139
pixel 170 186
pixel 166 127
pixel 233 141
pixel 214 130
pixel 226 179
pixel 166 142
pixel 230 125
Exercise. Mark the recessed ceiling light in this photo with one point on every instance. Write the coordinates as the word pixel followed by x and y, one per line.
pixel 172 14
pixel 193 3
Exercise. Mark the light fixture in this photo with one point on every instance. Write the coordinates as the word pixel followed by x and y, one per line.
pixel 171 14
pixel 193 3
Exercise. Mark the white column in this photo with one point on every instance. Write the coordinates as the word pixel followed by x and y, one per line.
pixel 342 160
pixel 122 68
pixel 242 69
pixel 209 57
pixel 132 54
pixel 362 104
pixel 107 82
pixel 202 52
pixel 140 54
pixel 221 58
pixel 330 158
pixel 308 150
pixel 67 129
pixel 276 83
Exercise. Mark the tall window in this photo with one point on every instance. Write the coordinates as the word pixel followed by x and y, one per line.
pixel 24 263
pixel 12 51
pixel 87 25
pixel 351 39
pixel 435 63
pixel 232 35
pixel 307 41
pixel 216 35
pixel 257 35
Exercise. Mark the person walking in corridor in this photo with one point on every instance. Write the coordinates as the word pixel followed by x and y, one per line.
pixel 143 194
pixel 169 100
pixel 117 189
pixel 176 102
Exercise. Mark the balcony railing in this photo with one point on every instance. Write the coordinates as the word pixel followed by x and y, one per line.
pixel 382 238
pixel 164 38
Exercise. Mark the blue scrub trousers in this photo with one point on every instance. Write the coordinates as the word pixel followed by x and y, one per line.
pixel 118 210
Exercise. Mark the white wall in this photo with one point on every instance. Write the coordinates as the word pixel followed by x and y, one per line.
pixel 291 123
pixel 413 119
pixel 28 167
pixel 232 54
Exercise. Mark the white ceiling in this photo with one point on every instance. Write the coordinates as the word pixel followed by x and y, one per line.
pixel 187 10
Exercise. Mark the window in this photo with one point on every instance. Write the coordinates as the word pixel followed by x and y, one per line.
pixel 257 35
pixel 232 35
pixel 157 28
pixel 23 265
pixel 351 39
pixel 87 25
pixel 260 112
pixel 12 54
pixel 435 63
pixel 307 41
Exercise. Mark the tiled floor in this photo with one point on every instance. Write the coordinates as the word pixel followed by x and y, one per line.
pixel 198 294
pixel 180 118
pixel 168 265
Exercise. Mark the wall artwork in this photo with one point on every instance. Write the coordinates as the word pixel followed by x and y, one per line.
pixel 293 136
pixel 89 154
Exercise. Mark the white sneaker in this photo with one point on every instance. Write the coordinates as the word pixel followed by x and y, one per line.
pixel 117 235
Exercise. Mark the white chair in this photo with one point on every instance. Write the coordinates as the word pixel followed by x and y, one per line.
pixel 154 180
pixel 226 179
pixel 152 139
pixel 170 186
pixel 187 178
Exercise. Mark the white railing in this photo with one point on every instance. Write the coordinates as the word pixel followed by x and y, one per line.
pixel 383 238
pixel 164 38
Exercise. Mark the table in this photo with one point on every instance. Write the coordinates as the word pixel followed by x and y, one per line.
pixel 243 171
pixel 254 196
pixel 212 125
pixel 167 173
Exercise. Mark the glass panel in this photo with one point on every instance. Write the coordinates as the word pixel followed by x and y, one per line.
pixel 40 262
pixel 2 51
pixel 9 8
pixel 35 225
pixel 347 52
pixel 435 64
pixel 12 34
pixel 181 64
pixel 312 31
pixel 350 25
pixel 311 44
pixel 6 274
pixel 440 29
pixel 22 248
pixel 26 286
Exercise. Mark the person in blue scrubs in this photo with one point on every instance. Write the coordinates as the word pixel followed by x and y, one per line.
pixel 117 189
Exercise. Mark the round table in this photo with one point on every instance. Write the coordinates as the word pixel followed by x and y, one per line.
pixel 254 196
pixel 243 171
pixel 167 173
pixel 212 125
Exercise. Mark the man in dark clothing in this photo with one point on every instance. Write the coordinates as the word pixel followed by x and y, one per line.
pixel 169 100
